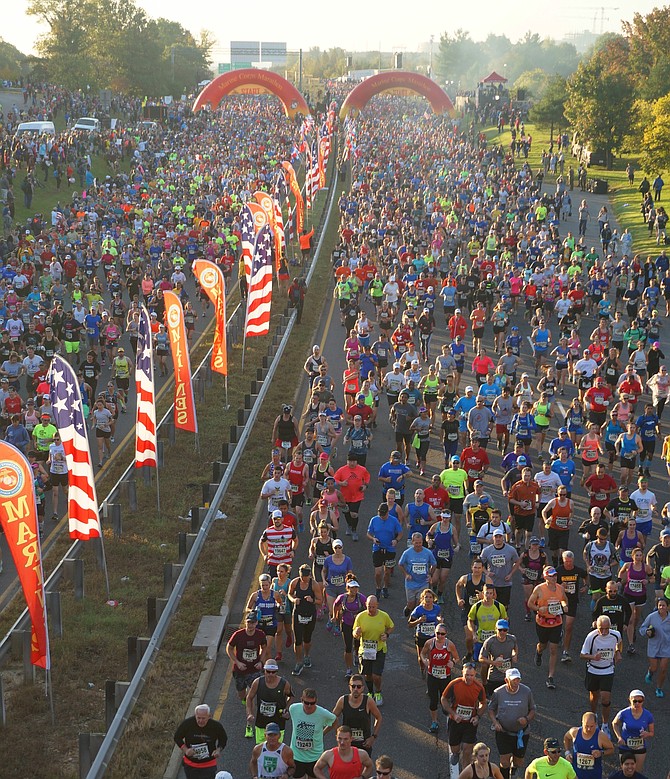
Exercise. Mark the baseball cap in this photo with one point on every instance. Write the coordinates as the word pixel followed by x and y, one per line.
pixel 397 365
pixel 498 531
pixel 469 388
pixel 276 514
pixel 323 456
pixel 502 624
pixel 524 375
pixel 636 694
pixel 337 542
pixel 395 453
pixel 271 665
pixel 251 617
pixel 534 540
pixel 455 459
pixel 352 583
pixel 665 532
pixel 447 513
pixel 562 429
pixel 549 743
pixel 484 499
pixel 521 460
pixel 272 727
pixel 512 673
pixel 549 570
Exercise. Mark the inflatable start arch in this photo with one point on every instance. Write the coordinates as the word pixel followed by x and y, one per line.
pixel 397 82
pixel 250 81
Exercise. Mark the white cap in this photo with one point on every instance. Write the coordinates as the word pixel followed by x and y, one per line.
pixel 498 532
pixel 469 389
pixel 277 514
pixel 223 775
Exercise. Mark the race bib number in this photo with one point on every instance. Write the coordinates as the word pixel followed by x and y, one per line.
pixel 464 711
pixel 635 585
pixel 452 437
pixel 606 654
pixel 444 554
pixel 357 734
pixel 249 655
pixel 304 620
pixel 200 751
pixel 484 634
pixel 419 569
pixel 526 505
pixel 389 563
pixel 294 488
pixel 427 629
pixel 473 599
pixel 473 474
pixel 267 709
pixel 600 571
pixel 600 495
pixel 642 513
pixel 498 560
pixel 279 550
pixel 475 547
pixel 336 581
pixel 505 665
pixel 634 742
pixel 454 490
pixel 369 650
pixel 439 672
pixel 562 523
pixel 530 574
pixel 304 743
pixel 322 440
pixel 320 559
pixel 570 587
pixel 555 608
pixel 285 444
pixel 585 761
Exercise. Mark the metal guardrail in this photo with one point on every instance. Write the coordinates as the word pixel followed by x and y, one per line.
pixel 117 726
pixel 77 547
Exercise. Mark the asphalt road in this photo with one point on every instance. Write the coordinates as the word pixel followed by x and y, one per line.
pixel 404 733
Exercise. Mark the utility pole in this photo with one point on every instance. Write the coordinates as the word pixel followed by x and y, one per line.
pixel 430 68
pixel 300 71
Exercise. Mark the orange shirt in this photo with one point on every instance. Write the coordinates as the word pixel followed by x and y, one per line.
pixel 478 317
pixel 560 516
pixel 551 599
pixel 464 697
pixel 525 492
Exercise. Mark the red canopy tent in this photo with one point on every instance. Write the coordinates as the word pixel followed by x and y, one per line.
pixel 494 78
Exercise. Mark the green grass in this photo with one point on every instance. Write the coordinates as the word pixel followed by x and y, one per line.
pixel 625 199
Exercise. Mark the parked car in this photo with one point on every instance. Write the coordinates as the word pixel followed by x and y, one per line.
pixel 88 123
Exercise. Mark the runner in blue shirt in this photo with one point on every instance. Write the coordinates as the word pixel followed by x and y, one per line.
pixel 648 427
pixel 565 468
pixel 392 476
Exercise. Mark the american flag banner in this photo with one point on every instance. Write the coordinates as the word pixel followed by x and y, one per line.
pixel 145 427
pixel 280 237
pixel 248 234
pixel 68 413
pixel 313 172
pixel 259 301
pixel 324 153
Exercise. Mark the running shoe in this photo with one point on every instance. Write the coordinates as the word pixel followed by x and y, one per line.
pixel 307 661
pixel 434 727
pixel 379 700
pixel 551 685
pixel 354 536
pixel 538 659
pixel 565 657
pixel 297 670
pixel 248 732
pixel 659 693
pixel 647 677
pixel 385 592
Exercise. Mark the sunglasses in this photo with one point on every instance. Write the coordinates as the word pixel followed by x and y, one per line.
pixel 553 751
pixel 356 686
pixel 309 703
pixel 440 633
pixel 382 773
pixel 637 700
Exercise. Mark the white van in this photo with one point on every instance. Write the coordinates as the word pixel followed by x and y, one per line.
pixel 88 123
pixel 36 128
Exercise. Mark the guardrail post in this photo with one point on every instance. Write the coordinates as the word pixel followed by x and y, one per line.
pixel 21 640
pixel 131 492
pixel 209 376
pixel 89 745
pixel 171 573
pixel 115 519
pixel 146 475
pixel 200 388
pixel 242 416
pixel 218 469
pixel 155 608
pixel 234 438
pixel 55 615
pixel 3 710
pixel 160 454
pixel 114 692
pixel 197 518
pixel 73 569
pixel 171 430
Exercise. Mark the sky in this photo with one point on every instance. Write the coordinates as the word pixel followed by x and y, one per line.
pixel 360 25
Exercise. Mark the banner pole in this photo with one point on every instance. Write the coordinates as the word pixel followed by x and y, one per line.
pixel 225 381
pixel 158 493
pixel 50 695
pixel 104 562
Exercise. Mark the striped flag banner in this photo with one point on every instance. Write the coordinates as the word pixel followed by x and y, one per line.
pixel 211 280
pixel 68 412
pixel 260 290
pixel 145 427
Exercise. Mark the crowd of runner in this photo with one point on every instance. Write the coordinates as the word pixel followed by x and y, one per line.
pixel 445 239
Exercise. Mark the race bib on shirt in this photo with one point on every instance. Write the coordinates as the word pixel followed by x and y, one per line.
pixel 200 751
pixel 369 650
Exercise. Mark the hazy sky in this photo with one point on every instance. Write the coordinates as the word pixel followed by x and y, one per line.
pixel 360 24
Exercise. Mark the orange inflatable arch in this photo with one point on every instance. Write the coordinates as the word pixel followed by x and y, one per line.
pixel 400 82
pixel 251 81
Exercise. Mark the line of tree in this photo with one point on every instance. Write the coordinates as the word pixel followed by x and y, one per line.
pixel 618 98
pixel 114 44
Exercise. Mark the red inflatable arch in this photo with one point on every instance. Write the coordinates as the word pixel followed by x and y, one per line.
pixel 251 81
pixel 397 82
